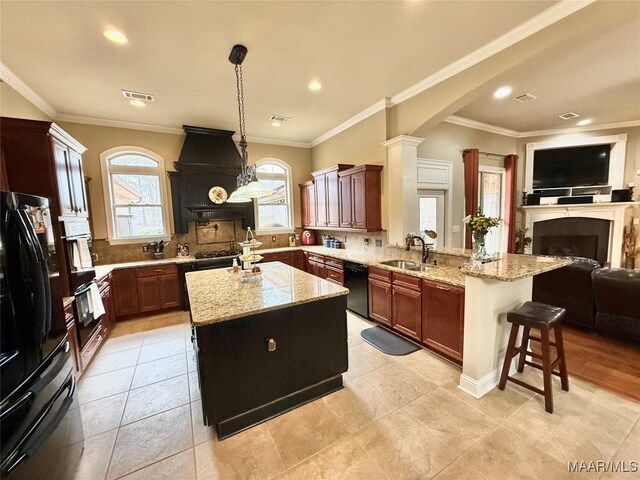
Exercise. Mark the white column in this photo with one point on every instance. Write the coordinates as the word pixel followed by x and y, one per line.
pixel 401 172
pixel 486 330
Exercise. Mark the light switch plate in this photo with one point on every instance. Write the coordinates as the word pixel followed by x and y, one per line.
pixel 455 228
pixel 273 238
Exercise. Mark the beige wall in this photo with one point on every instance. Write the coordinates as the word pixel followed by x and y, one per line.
pixel 97 139
pixel 12 104
pixel 446 141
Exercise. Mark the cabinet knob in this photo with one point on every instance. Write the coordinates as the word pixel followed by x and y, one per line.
pixel 271 345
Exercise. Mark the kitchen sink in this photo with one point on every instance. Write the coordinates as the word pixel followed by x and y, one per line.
pixel 421 268
pixel 400 264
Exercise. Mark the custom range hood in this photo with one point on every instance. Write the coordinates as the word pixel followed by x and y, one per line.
pixel 209 158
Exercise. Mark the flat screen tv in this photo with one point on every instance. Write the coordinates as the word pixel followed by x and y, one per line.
pixel 571 167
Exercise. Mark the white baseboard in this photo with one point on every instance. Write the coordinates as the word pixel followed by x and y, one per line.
pixel 482 386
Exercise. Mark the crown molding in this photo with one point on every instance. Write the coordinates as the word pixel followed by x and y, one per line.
pixel 407 140
pixel 587 128
pixel 357 118
pixel 27 92
pixel 548 17
pixel 274 141
pixel 467 122
pixel 104 122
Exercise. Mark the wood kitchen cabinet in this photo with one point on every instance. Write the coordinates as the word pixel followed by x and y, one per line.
pixel 78 186
pixel 345 219
pixel 327 195
pixel 443 318
pixel 380 308
pixel 406 304
pixel 283 257
pixel 62 168
pixel 362 210
pixel 104 287
pixel 297 259
pixel 315 265
pixel 125 292
pixel 72 332
pixel 148 294
pixel 169 289
pixel 308 203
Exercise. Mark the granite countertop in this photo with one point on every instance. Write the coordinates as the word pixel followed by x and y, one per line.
pixel 104 270
pixel 509 267
pixel 217 295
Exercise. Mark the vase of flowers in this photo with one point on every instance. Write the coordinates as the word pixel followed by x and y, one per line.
pixel 480 225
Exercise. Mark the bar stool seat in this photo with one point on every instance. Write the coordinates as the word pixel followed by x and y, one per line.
pixel 541 317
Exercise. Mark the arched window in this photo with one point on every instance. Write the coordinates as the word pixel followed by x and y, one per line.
pixel 135 195
pixel 273 213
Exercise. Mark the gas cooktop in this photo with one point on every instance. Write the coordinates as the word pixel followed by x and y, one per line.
pixel 217 254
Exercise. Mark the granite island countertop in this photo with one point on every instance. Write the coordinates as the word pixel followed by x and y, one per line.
pixel 508 267
pixel 218 295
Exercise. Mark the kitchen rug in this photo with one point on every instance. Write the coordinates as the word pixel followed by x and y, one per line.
pixel 388 342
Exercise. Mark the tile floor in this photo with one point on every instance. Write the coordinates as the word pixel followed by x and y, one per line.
pixel 396 418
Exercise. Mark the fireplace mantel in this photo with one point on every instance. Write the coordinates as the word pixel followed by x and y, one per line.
pixel 612 211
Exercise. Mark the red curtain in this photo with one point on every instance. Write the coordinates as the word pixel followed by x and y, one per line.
pixel 471 166
pixel 511 181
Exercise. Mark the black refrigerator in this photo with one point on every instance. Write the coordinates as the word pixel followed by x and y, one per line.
pixel 41 429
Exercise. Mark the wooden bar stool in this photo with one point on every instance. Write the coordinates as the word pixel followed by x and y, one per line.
pixel 541 317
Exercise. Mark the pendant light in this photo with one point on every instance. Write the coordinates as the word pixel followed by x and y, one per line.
pixel 248 185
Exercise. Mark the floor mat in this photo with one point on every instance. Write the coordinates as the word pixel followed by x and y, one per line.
pixel 388 342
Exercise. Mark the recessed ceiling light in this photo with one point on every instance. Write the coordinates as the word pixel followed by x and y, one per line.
pixel 116 36
pixel 583 122
pixel 276 124
pixel 315 86
pixel 138 103
pixel 502 92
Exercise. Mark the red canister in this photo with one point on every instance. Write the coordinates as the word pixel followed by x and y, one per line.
pixel 308 237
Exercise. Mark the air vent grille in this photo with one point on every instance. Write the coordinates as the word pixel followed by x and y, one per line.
pixel 145 97
pixel 279 118
pixel 525 98
pixel 568 115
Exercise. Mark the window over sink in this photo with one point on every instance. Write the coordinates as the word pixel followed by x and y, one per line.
pixel 273 213
pixel 135 195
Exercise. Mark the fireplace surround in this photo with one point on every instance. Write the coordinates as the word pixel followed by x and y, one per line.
pixel 577 237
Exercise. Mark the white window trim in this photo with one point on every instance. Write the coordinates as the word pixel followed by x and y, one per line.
pixel 106 190
pixel 274 231
pixel 448 196
pixel 504 241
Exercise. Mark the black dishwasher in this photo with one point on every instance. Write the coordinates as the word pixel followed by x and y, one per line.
pixel 356 279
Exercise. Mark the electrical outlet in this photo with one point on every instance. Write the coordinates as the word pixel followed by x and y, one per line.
pixel 145 248
pixel 455 228
pixel 366 241
pixel 344 239
pixel 273 238
pixel 297 236
pixel 636 221
pixel 378 242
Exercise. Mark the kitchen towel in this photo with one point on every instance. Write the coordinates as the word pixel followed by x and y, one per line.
pixel 75 253
pixel 95 301
pixel 85 254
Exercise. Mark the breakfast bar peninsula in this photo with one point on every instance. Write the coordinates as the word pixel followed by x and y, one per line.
pixel 265 348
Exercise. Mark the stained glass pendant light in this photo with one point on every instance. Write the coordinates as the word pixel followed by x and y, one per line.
pixel 248 185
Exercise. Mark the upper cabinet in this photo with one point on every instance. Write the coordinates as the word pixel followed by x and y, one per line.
pixel 69 179
pixel 343 197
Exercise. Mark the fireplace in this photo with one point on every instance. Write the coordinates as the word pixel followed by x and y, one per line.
pixel 580 237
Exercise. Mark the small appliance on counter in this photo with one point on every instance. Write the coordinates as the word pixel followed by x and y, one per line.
pixel 308 237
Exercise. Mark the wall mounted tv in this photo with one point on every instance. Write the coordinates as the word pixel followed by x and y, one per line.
pixel 571 167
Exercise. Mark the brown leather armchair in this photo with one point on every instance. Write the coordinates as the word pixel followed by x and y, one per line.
pixel 617 294
pixel 571 288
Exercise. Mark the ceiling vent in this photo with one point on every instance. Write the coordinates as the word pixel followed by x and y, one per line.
pixel 525 98
pixel 145 97
pixel 279 118
pixel 568 115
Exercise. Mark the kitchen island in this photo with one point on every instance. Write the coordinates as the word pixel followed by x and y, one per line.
pixel 265 348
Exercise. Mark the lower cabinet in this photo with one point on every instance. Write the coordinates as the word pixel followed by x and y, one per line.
pixel 407 311
pixel 145 289
pixel 297 259
pixel 169 289
pixel 148 294
pixel 443 318
pixel 125 292
pixel 380 301
pixel 283 257
pixel 72 332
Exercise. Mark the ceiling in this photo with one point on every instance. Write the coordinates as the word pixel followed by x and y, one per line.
pixel 177 51
pixel 596 75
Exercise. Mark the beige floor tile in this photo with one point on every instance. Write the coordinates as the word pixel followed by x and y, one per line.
pixel 194 386
pixel 176 467
pixel 398 384
pixel 248 455
pixel 158 370
pixel 497 404
pixel 363 359
pixel 120 343
pixel 163 334
pixel 155 398
pixel 403 448
pixel 429 366
pixel 102 415
pixel 305 431
pixel 147 441
pixel 163 349
pixel 450 418
pixel 356 323
pixel 504 454
pixel 343 461
pixel 358 403
pixel 353 338
pixel 108 362
pixel 105 385
pixel 191 361
pixel 94 459
pixel 201 433
pixel 626 454
pixel 579 428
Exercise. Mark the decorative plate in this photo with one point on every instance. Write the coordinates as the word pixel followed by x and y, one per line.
pixel 218 195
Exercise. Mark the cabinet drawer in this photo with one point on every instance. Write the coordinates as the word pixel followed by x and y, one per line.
pixel 277 257
pixel 315 258
pixel 155 270
pixel 380 274
pixel 104 283
pixel 334 263
pixel 406 281
pixel 335 275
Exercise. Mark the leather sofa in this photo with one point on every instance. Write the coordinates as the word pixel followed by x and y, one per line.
pixel 571 288
pixel 617 295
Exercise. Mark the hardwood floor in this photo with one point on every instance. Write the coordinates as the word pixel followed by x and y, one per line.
pixel 610 364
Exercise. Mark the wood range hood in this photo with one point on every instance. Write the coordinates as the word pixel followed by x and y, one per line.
pixel 209 158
